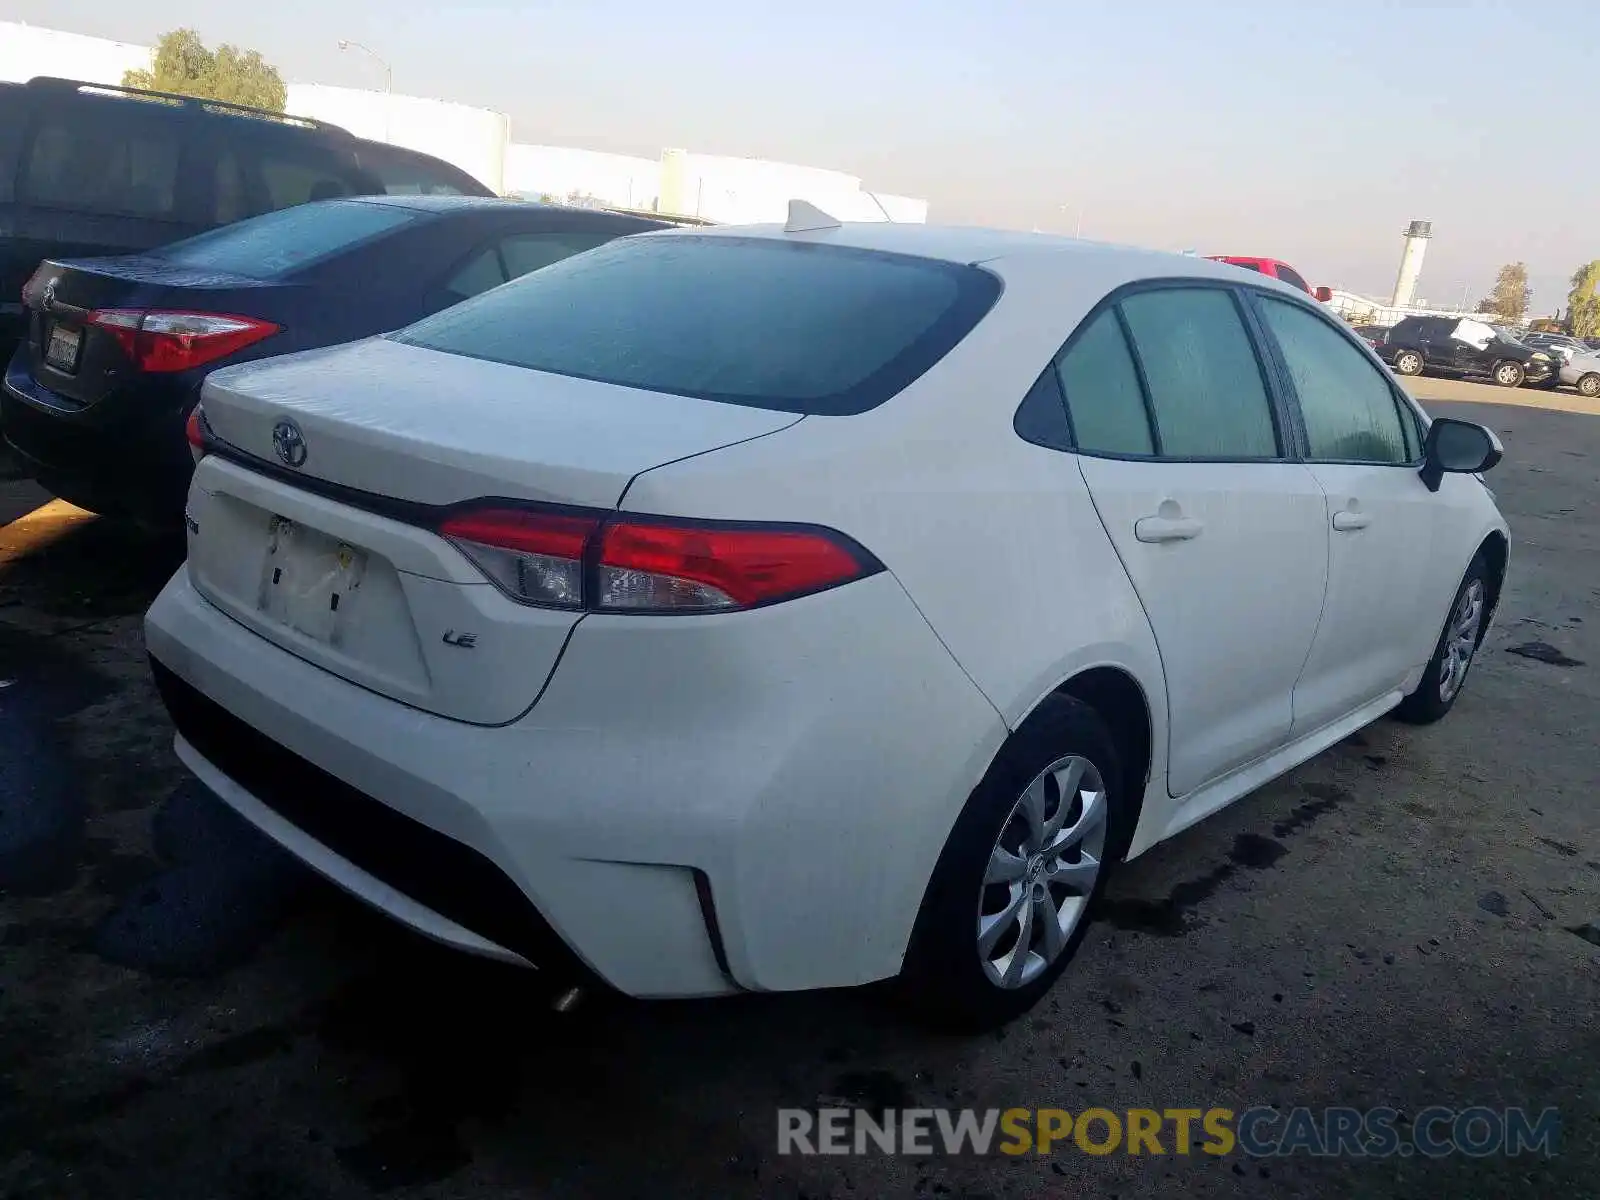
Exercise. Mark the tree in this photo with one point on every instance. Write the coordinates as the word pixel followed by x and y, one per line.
pixel 1511 296
pixel 184 65
pixel 1583 302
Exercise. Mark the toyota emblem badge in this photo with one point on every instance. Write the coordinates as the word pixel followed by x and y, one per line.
pixel 290 443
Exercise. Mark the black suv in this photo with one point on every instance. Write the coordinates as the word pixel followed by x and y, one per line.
pixel 1464 346
pixel 88 169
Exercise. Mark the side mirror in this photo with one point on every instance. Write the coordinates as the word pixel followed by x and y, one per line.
pixel 1459 447
pixel 1323 293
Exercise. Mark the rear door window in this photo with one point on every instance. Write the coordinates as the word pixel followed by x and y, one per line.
pixel 290 181
pixel 1206 388
pixel 514 256
pixel 526 252
pixel 481 272
pixel 276 244
pixel 254 175
pixel 404 173
pixel 113 157
pixel 791 326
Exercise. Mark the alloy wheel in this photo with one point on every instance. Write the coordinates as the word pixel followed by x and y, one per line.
pixel 1042 871
pixel 1461 640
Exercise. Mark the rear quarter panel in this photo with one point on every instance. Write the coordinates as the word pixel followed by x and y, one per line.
pixel 996 540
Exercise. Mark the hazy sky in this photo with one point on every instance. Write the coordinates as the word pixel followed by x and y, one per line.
pixel 1309 130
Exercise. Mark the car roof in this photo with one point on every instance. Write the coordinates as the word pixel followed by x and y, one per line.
pixel 974 245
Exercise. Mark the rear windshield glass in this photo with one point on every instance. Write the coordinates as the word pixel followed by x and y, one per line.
pixel 791 326
pixel 278 243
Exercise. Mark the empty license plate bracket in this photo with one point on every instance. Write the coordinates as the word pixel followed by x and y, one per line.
pixel 307 579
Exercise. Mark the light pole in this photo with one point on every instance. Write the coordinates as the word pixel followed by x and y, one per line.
pixel 388 76
pixel 1077 231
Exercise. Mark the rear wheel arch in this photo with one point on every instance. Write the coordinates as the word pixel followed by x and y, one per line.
pixel 1495 550
pixel 1119 701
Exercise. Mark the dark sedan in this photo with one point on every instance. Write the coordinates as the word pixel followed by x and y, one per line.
pixel 96 397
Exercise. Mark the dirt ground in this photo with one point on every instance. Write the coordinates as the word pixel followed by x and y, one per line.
pixel 1409 919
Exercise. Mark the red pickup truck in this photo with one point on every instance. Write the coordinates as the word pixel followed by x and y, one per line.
pixel 1276 269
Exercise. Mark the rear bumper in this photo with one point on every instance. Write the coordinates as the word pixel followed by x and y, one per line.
pixel 137 464
pixel 695 806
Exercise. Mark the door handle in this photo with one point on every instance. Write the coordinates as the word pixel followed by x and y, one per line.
pixel 1166 529
pixel 1347 519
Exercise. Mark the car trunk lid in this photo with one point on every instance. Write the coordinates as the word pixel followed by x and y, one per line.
pixel 411 424
pixel 323 541
pixel 82 361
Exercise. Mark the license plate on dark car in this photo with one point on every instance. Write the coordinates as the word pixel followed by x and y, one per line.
pixel 61 351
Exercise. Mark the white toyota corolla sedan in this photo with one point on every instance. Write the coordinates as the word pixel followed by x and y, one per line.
pixel 755 609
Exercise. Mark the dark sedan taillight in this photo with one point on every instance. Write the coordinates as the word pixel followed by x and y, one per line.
pixel 34 288
pixel 160 340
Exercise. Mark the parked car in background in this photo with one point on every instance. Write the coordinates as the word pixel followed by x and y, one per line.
pixel 674 615
pixel 96 396
pixel 90 169
pixel 1373 335
pixel 1582 371
pixel 1464 346
pixel 1274 269
pixel 1560 345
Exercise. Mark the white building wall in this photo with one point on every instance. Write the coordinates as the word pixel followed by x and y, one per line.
pixel 474 139
pixel 906 210
pixel 751 190
pixel 619 180
pixel 27 51
pixel 743 190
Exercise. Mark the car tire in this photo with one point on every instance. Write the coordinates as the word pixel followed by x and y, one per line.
pixel 967 968
pixel 1446 675
pixel 1408 362
pixel 1589 385
pixel 1509 374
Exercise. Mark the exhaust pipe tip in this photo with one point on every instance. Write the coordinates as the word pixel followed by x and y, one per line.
pixel 568 1000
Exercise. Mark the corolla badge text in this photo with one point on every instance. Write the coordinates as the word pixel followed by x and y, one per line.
pixel 289 443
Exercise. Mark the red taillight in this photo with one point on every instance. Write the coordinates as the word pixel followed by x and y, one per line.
pixel 649 565
pixel 162 341
pixel 609 562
